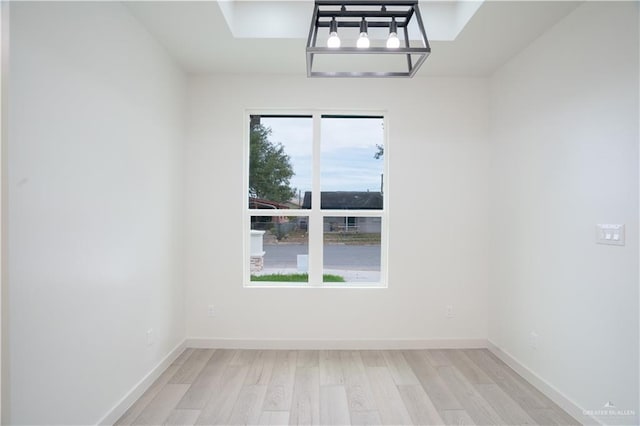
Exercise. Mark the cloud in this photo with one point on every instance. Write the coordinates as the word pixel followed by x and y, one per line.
pixel 350 169
pixel 347 144
pixel 294 133
pixel 339 133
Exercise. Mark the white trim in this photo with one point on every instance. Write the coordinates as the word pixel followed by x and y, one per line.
pixel 315 214
pixel 294 285
pixel 315 221
pixel 4 197
pixel 566 403
pixel 351 344
pixel 141 387
pixel 246 219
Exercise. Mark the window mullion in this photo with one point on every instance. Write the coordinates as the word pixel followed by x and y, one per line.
pixel 315 216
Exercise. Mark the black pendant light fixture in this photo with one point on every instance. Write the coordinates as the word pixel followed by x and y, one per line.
pixel 336 17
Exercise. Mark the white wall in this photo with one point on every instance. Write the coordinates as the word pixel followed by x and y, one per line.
pixel 564 129
pixel 95 209
pixel 438 157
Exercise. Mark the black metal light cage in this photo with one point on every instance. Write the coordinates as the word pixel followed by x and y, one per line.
pixel 377 15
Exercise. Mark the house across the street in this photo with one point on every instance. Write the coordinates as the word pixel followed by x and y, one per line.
pixel 349 200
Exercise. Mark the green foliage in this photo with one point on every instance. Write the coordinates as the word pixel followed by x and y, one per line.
pixel 327 278
pixel 270 167
pixel 282 230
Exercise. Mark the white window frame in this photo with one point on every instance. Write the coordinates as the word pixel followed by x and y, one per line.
pixel 315 215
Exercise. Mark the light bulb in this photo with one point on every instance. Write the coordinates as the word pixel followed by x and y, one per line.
pixel 393 42
pixel 363 41
pixel 333 41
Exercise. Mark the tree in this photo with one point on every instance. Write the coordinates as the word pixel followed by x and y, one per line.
pixel 270 168
pixel 379 148
pixel 379 153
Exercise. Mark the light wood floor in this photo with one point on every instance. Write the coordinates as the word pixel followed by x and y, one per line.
pixel 426 387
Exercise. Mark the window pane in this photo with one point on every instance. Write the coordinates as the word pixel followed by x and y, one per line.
pixel 279 248
pixel 352 166
pixel 352 249
pixel 279 161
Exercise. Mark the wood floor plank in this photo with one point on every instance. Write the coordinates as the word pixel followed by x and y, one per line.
pixel 436 357
pixel 237 387
pixel 274 418
pixel 280 388
pixel 365 418
pixel 334 407
pixel 420 407
pixel 504 405
pixel 192 367
pixel 373 359
pixel 474 404
pixel 159 409
pixel 219 408
pixel 308 359
pixel 400 371
pixel 186 353
pixel 134 411
pixel 357 384
pixel 331 368
pixel 248 408
pixel 516 387
pixel 456 418
pixel 388 400
pixel 205 384
pixel 432 383
pixel 542 398
pixel 468 368
pixel 244 357
pixel 180 417
pixel 552 417
pixel 305 406
pixel 261 368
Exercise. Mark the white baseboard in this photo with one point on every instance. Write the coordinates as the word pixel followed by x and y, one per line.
pixel 132 396
pixel 566 403
pixel 352 344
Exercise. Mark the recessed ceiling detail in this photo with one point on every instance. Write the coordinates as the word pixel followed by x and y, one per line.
pixel 215 37
pixel 290 19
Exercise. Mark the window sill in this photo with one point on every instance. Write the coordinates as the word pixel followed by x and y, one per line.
pixel 361 285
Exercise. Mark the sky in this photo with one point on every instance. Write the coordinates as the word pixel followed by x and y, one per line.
pixel 347 144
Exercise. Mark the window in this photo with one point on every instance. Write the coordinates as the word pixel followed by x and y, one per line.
pixel 316 200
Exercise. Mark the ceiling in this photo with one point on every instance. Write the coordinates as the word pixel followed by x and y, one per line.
pixel 467 38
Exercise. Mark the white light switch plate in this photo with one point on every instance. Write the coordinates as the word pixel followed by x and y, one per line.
pixel 610 234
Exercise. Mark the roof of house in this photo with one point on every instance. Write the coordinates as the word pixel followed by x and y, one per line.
pixel 259 203
pixel 343 200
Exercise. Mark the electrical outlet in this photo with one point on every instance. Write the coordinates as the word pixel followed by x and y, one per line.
pixel 533 340
pixel 449 311
pixel 610 234
pixel 150 337
pixel 211 311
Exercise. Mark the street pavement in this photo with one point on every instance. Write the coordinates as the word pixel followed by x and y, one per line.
pixel 336 256
pixel 355 263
